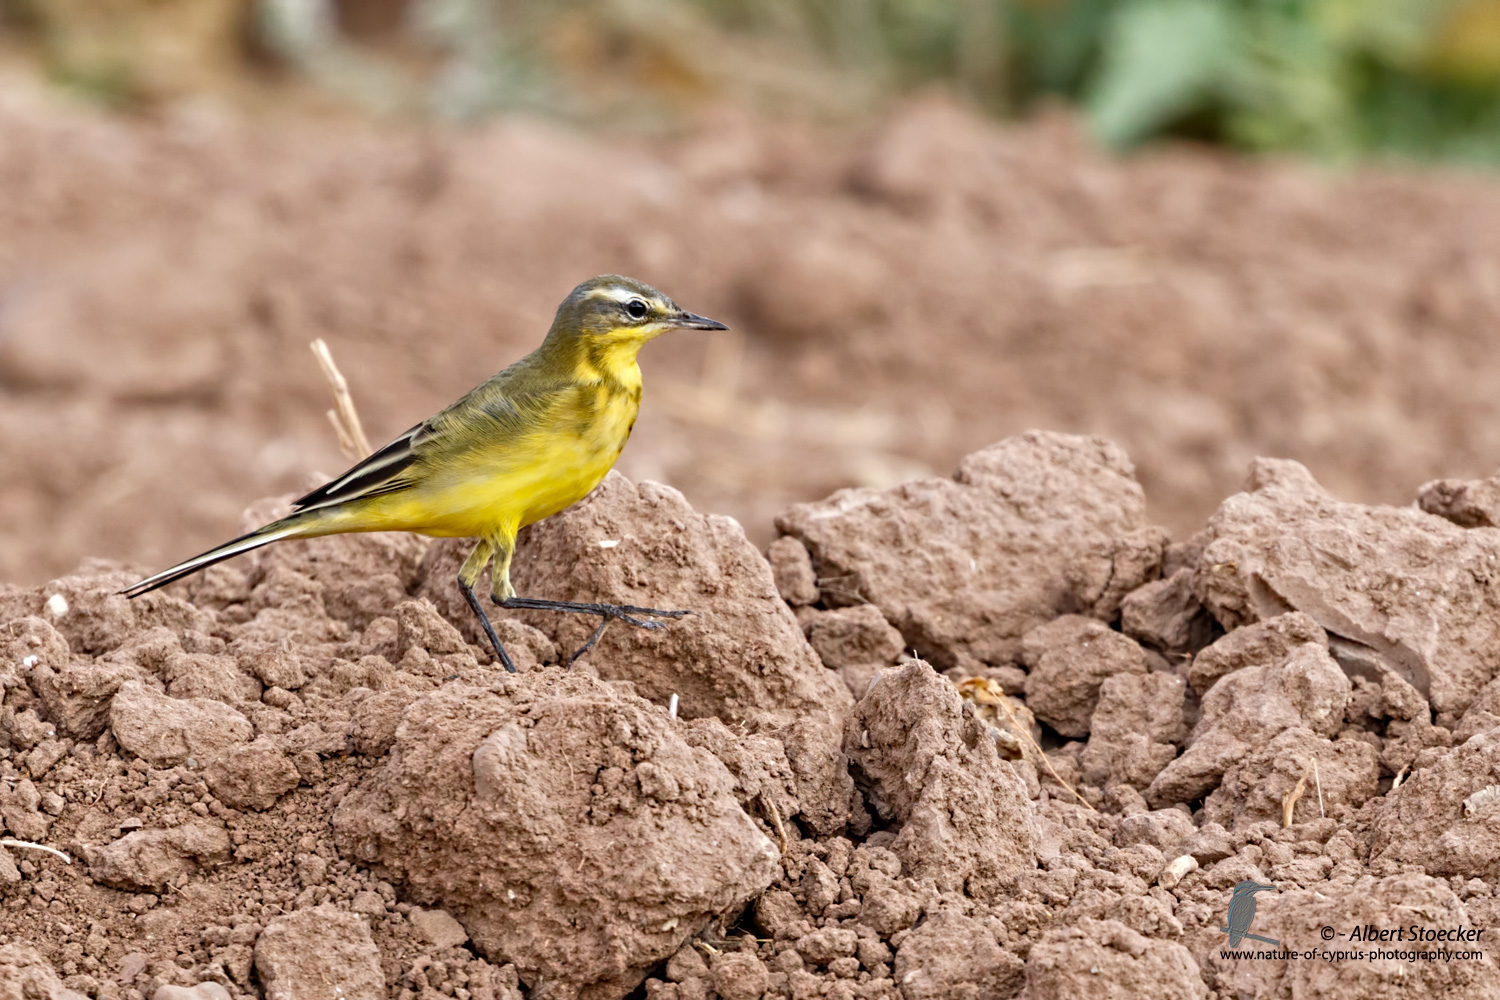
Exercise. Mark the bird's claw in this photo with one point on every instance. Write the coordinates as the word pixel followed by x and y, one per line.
pixel 657 612
pixel 628 613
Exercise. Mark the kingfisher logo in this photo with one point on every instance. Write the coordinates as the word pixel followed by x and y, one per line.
pixel 1242 913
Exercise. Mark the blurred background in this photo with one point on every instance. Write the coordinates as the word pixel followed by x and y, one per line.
pixel 1208 229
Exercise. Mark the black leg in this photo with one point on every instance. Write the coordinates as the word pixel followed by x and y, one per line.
pixel 489 629
pixel 627 613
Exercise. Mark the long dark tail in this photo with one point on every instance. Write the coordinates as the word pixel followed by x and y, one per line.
pixel 287 527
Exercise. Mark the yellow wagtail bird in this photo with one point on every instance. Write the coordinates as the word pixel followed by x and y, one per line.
pixel 533 440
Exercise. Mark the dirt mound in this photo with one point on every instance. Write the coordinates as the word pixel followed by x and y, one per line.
pixel 930 770
pixel 1423 613
pixel 577 798
pixel 740 656
pixel 270 780
pixel 920 552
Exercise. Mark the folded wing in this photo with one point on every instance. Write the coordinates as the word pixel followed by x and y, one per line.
pixel 383 472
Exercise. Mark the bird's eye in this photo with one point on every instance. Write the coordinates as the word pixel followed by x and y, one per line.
pixel 636 309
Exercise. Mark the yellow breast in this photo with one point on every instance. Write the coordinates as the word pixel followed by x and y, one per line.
pixel 578 452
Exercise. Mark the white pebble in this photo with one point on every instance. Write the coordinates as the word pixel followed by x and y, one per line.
pixel 1176 871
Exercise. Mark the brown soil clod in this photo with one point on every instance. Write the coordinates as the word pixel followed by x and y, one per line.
pixel 520 806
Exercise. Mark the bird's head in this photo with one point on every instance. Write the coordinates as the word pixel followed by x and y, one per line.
pixel 1250 887
pixel 612 310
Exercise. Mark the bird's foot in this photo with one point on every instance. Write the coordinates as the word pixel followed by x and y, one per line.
pixel 627 613
pixel 630 614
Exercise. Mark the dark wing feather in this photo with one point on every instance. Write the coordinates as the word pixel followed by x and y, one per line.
pixel 380 473
pixel 497 409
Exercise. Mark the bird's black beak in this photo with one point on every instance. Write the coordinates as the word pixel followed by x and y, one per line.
pixel 692 321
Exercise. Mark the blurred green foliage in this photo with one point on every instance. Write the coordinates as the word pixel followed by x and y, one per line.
pixel 1334 78
pixel 1338 79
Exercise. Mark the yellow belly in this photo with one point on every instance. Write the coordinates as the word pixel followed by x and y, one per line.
pixel 496 489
